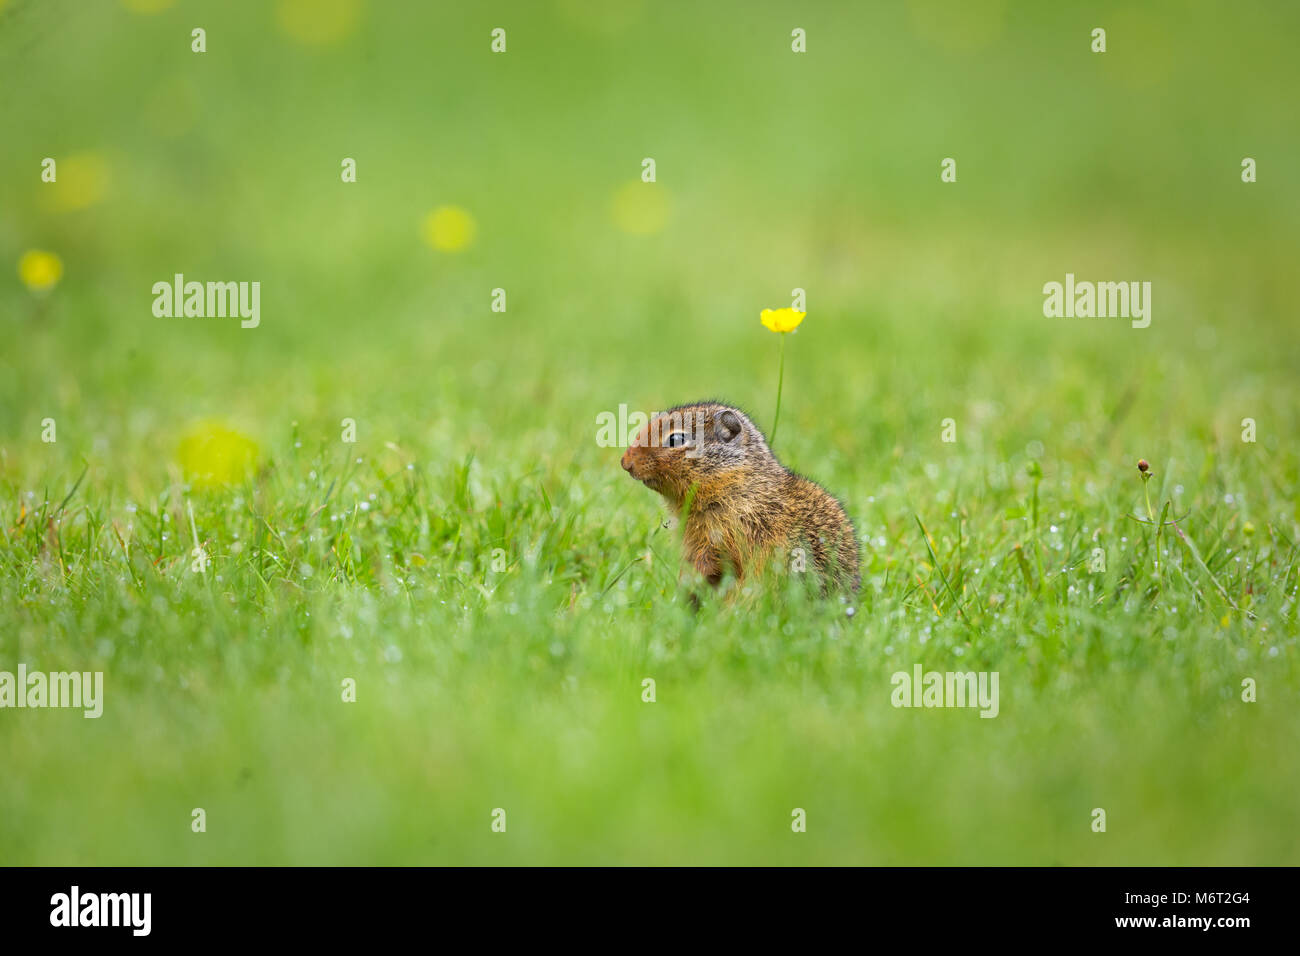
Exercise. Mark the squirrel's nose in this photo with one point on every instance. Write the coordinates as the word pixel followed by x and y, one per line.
pixel 627 460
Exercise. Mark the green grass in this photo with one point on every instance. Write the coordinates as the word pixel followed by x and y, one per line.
pixel 521 689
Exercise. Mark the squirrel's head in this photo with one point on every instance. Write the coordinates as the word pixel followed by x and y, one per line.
pixel 694 445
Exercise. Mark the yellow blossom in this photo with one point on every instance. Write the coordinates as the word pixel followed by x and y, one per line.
pixel 449 229
pixel 40 270
pixel 318 23
pixel 83 180
pixel 782 320
pixel 211 454
pixel 640 209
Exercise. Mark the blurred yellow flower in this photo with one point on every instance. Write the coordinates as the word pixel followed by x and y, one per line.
pixel 781 320
pixel 640 209
pixel 212 454
pixel 82 181
pixel 318 22
pixel 40 271
pixel 449 229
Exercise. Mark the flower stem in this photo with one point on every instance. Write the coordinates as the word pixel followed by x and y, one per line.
pixel 780 380
pixel 1146 481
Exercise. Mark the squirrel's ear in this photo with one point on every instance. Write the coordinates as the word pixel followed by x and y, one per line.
pixel 729 426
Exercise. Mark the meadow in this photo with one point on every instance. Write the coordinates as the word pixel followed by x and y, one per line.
pixel 479 566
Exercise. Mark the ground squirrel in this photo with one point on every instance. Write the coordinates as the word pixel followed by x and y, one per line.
pixel 713 466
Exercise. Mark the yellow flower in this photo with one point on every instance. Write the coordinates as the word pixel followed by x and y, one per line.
pixel 782 320
pixel 449 229
pixel 640 209
pixel 212 454
pixel 318 23
pixel 83 181
pixel 39 270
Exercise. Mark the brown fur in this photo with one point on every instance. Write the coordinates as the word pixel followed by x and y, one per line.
pixel 740 504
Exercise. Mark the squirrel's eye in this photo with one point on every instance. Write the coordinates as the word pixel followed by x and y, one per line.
pixel 676 440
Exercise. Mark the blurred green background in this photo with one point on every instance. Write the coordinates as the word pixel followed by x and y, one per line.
pixel 521 689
